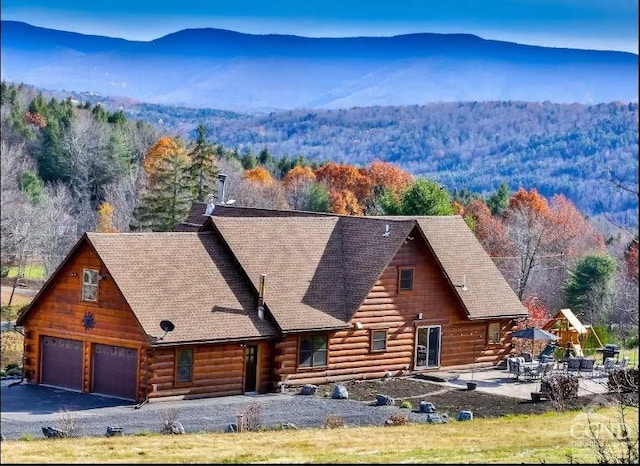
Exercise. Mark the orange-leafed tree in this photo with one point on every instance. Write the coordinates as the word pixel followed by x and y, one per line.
pixel 526 223
pixel 298 183
pixel 105 219
pixel 386 179
pixel 631 260
pixel 259 175
pixel 344 202
pixel 488 229
pixel 340 178
pixel 569 232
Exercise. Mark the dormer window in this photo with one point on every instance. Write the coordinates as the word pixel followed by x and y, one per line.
pixel 405 280
pixel 90 285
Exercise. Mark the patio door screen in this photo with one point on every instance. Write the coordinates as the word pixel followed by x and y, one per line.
pixel 428 346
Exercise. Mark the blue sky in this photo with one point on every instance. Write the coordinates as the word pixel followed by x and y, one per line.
pixel 596 24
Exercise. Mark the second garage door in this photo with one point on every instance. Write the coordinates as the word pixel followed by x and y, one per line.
pixel 62 363
pixel 115 371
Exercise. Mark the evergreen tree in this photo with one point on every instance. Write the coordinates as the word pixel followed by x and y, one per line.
pixel 499 201
pixel 587 289
pixel 167 199
pixel 203 169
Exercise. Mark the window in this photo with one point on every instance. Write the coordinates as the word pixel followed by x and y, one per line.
pixel 89 285
pixel 184 365
pixel 406 280
pixel 493 333
pixel 378 340
pixel 313 351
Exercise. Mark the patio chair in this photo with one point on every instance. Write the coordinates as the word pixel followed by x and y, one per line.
pixel 586 366
pixel 606 368
pixel 546 354
pixel 527 356
pixel 516 367
pixel 573 365
pixel 622 364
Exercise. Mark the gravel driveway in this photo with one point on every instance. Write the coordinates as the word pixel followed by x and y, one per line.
pixel 28 408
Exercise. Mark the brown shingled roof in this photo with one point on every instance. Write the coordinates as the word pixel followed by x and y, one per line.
pixel 465 261
pixel 187 278
pixel 318 269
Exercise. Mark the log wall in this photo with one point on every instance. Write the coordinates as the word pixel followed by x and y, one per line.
pixel 60 313
pixel 463 342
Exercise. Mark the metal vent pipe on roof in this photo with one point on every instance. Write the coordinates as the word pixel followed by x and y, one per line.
pixel 261 289
pixel 221 194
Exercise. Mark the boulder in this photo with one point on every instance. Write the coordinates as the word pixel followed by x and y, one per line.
pixel 433 418
pixel 52 432
pixel 114 431
pixel 173 428
pixel 231 428
pixel 464 416
pixel 384 400
pixel 427 407
pixel 308 389
pixel 340 392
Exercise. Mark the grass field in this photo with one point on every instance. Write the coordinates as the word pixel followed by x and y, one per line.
pixel 35 271
pixel 548 438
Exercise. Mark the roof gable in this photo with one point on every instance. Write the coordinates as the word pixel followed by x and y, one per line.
pixel 466 263
pixel 187 278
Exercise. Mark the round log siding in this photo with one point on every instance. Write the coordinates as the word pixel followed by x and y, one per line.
pixel 385 308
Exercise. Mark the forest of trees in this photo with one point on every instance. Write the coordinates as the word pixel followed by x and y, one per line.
pixel 70 167
pixel 558 148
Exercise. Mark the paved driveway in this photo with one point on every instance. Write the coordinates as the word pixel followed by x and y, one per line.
pixel 26 409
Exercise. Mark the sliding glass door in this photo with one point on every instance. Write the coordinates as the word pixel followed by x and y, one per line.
pixel 428 346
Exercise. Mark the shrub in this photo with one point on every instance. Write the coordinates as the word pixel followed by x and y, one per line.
pixel 397 420
pixel 406 404
pixel 559 388
pixel 333 421
pixel 3 372
pixel 14 371
pixel 66 423
pixel 251 416
pixel 623 381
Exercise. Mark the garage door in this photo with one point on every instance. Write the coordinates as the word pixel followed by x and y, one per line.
pixel 62 363
pixel 115 370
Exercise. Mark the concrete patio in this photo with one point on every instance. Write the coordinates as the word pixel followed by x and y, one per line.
pixel 500 382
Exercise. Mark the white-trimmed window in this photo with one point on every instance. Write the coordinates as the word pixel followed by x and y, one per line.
pixel 378 340
pixel 89 285
pixel 493 332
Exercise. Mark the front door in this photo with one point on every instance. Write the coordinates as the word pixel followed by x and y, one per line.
pixel 428 347
pixel 250 368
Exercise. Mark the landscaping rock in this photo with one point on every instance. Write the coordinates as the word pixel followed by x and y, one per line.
pixel 173 428
pixel 52 432
pixel 464 416
pixel 384 400
pixel 308 389
pixel 427 407
pixel 114 431
pixel 231 428
pixel 433 418
pixel 340 392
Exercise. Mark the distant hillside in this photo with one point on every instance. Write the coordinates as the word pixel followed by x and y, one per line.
pixel 242 72
pixel 557 148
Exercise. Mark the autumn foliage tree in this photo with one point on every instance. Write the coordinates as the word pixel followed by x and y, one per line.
pixel 105 219
pixel 259 175
pixel 348 186
pixel 298 183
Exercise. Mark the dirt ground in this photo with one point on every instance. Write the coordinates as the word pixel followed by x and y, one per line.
pixel 450 400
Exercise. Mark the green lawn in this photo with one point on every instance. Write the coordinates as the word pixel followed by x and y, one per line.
pixel 34 271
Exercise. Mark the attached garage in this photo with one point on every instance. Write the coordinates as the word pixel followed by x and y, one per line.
pixel 62 363
pixel 115 370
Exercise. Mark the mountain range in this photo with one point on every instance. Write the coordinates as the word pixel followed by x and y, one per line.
pixel 213 68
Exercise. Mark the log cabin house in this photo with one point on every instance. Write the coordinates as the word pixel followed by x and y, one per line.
pixel 248 299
